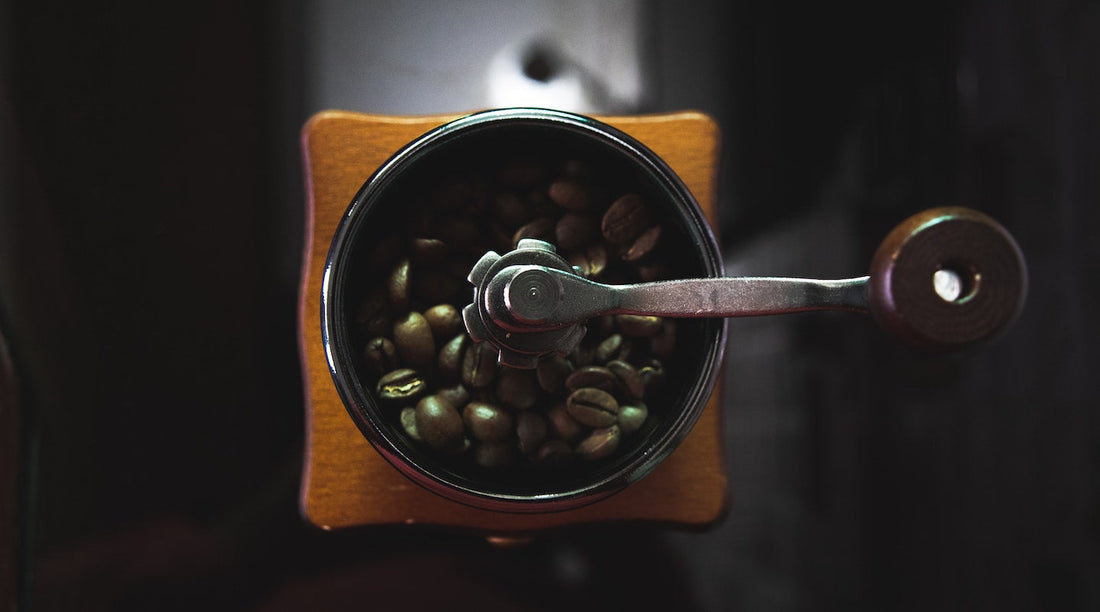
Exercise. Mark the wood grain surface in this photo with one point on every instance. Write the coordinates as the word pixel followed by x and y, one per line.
pixel 346 483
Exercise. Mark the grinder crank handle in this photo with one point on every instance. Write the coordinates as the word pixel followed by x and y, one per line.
pixel 942 280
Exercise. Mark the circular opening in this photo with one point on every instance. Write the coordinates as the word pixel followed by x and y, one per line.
pixel 955 284
pixel 448 187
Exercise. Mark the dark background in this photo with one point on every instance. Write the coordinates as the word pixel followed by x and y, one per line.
pixel 150 236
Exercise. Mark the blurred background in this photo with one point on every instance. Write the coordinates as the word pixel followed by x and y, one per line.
pixel 151 223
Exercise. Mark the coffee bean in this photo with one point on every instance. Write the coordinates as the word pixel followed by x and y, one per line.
pixel 510 210
pixel 439 424
pixel 638 326
pixel 457 395
pixel 452 192
pixel 541 228
pixel 554 455
pixel 380 355
pixel 444 319
pixel 630 381
pixel 625 220
pixel 530 431
pixel 413 338
pixel 551 373
pixel 427 251
pixel 487 422
pixel 461 232
pixel 653 271
pixel 600 444
pixel 479 365
pixel 592 407
pixel 372 307
pixel 609 348
pixel 597 377
pixel 408 423
pixel 570 194
pixel 590 262
pixel 663 344
pixel 522 173
pixel 643 246
pixel 562 425
pixel 403 384
pixel 632 417
pixel 494 455
pixel 575 231
pixel 398 285
pixel 516 388
pixel 450 357
pixel 653 375
pixel 433 285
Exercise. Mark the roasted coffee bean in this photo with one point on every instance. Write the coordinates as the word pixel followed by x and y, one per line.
pixel 479 365
pixel 583 355
pixel 552 372
pixel 643 246
pixel 663 344
pixel 541 228
pixel 408 423
pixel 457 395
pixel 371 307
pixel 601 443
pixel 591 262
pixel 653 375
pixel 638 326
pixel 450 357
pixel 444 319
pixel 592 407
pixel 510 210
pixel 530 431
pixel 522 173
pixel 413 338
pixel 625 220
pixel 380 355
pixel 554 455
pixel 653 271
pixel 433 285
pixel 452 192
pixel 630 381
pixel 427 251
pixel 575 231
pixel 570 194
pixel 494 455
pixel 632 417
pixel 487 422
pixel 597 377
pixel 461 232
pixel 609 348
pixel 439 424
pixel 562 425
pixel 384 252
pixel 516 388
pixel 404 384
pixel 398 285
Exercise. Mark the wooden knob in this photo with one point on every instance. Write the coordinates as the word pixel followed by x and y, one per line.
pixel 946 279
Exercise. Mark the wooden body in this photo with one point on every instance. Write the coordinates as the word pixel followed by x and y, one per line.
pixel 345 481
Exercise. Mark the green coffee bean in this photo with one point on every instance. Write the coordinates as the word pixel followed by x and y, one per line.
pixel 632 417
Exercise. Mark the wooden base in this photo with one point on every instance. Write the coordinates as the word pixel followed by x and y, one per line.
pixel 345 482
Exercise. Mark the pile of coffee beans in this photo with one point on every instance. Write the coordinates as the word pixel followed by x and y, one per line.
pixel 447 393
